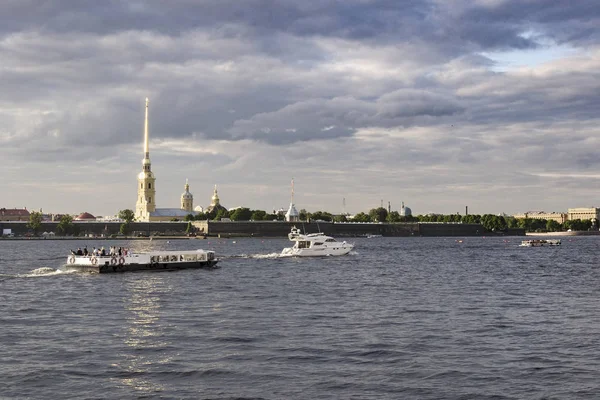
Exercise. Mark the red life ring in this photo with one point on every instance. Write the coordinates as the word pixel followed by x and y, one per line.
pixel 72 260
pixel 121 261
pixel 113 261
pixel 94 261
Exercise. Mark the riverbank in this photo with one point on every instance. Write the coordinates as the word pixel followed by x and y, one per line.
pixel 572 233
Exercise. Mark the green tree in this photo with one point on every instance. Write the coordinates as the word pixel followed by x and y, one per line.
pixel 394 216
pixel 65 226
pixel 241 214
pixel 493 222
pixel 553 226
pixel 578 225
pixel 127 215
pixel 303 215
pixel 201 217
pixel 378 214
pixel 321 215
pixel 125 228
pixel 189 217
pixel 512 222
pixel 258 215
pixel 189 228
pixel 340 218
pixel 222 213
pixel 361 217
pixel 35 222
pixel 471 219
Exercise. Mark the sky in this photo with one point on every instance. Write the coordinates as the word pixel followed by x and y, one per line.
pixel 440 104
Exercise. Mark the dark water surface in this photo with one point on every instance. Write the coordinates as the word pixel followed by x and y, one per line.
pixel 399 318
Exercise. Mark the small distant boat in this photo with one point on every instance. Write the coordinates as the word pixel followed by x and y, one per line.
pixel 540 242
pixel 315 244
pixel 372 236
pixel 151 261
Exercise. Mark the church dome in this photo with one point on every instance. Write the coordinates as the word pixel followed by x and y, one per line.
pixel 85 216
pixel 405 211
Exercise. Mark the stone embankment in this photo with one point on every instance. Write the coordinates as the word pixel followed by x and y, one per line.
pixel 570 233
pixel 267 229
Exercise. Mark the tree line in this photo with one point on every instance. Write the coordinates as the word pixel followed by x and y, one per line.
pixel 490 222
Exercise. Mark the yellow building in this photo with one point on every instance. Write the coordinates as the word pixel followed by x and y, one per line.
pixel 584 213
pixel 555 216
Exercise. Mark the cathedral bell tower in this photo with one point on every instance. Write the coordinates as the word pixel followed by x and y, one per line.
pixel 146 199
pixel 187 199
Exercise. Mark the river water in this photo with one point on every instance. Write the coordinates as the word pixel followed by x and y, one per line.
pixel 399 318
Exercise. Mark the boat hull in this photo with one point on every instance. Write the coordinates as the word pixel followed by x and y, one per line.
pixel 156 261
pixel 322 252
pixel 107 268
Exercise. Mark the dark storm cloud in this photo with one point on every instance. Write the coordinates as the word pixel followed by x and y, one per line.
pixel 322 119
pixel 456 26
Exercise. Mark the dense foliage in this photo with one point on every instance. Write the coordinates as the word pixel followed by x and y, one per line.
pixel 35 222
pixel 491 222
pixel 66 226
pixel 127 215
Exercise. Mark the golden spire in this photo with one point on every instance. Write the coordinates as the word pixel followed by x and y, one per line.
pixel 146 148
pixel 215 198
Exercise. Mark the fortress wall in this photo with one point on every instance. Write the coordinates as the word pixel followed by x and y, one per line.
pixel 270 228
pixel 98 228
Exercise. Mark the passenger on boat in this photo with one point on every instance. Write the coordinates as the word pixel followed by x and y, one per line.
pixel 85 251
pixel 79 252
pixel 120 251
pixel 103 252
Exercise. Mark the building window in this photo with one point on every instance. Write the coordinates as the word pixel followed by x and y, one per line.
pixel 149 199
pixel 149 186
pixel 141 185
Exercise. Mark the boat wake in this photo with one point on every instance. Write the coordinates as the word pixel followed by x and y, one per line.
pixel 260 256
pixel 44 271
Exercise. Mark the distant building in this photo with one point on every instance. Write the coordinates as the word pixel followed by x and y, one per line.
pixel 584 213
pixel 215 203
pixel 187 199
pixel 405 211
pixel 292 214
pixel 554 216
pixel 85 216
pixel 14 214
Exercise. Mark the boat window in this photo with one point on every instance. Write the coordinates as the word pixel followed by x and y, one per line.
pixel 303 244
pixel 331 240
pixel 317 244
pixel 173 257
pixel 164 258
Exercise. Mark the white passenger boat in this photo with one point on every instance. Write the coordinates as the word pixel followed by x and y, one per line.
pixel 315 244
pixel 540 242
pixel 155 260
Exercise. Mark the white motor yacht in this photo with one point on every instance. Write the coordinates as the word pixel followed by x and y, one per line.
pixel 315 244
